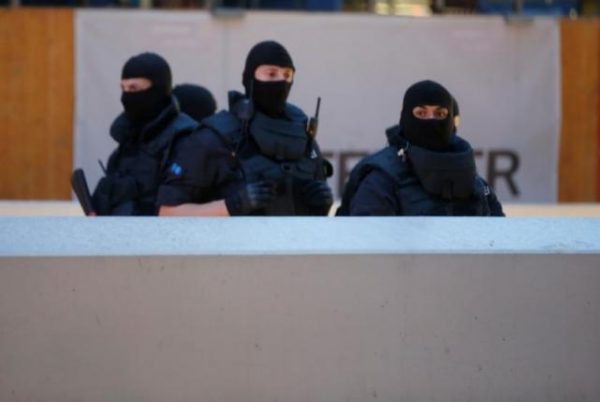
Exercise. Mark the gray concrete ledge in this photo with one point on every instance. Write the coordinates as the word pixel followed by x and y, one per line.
pixel 299 309
pixel 338 328
pixel 71 208
pixel 72 236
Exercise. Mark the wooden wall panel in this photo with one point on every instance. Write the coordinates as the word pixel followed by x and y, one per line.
pixel 579 169
pixel 36 103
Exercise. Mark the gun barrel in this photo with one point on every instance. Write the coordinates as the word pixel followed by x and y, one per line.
pixel 318 107
pixel 80 187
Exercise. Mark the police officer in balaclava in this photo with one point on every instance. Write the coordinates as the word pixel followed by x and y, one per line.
pixel 143 132
pixel 257 158
pixel 146 85
pixel 395 129
pixel 427 117
pixel 268 77
pixel 426 169
pixel 195 101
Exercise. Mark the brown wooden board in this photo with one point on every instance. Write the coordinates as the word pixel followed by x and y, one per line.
pixel 579 168
pixel 36 107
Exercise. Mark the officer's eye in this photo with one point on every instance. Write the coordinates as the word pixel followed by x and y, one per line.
pixel 441 114
pixel 420 113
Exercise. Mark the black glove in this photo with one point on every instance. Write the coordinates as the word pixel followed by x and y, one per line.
pixel 252 197
pixel 317 194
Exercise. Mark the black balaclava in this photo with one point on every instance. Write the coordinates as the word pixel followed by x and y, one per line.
pixel 195 101
pixel 143 106
pixel 269 97
pixel 431 134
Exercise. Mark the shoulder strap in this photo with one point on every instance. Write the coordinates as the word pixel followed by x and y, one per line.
pixel 180 123
pixel 226 126
pixel 180 127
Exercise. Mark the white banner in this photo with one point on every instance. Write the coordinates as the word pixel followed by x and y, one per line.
pixel 506 78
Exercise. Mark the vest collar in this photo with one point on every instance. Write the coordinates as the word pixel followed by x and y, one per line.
pixel 449 174
pixel 280 138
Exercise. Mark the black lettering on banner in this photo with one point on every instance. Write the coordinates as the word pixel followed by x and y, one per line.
pixel 494 172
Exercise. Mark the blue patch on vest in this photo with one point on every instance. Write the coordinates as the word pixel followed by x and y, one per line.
pixel 176 169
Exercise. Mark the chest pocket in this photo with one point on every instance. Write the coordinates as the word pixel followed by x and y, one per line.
pixel 415 201
pixel 136 179
pixel 259 167
pixel 145 168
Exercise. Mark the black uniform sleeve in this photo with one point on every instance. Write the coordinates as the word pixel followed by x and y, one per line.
pixel 199 167
pixel 493 205
pixel 375 196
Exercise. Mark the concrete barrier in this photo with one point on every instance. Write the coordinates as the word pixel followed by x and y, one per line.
pixel 299 309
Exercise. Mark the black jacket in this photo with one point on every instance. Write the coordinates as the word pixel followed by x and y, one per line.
pixel 137 167
pixel 403 179
pixel 226 152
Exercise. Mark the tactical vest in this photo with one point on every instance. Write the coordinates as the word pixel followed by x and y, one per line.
pixel 412 198
pixel 284 159
pixel 135 172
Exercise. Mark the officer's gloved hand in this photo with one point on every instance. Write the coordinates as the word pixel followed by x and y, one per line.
pixel 252 197
pixel 317 194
